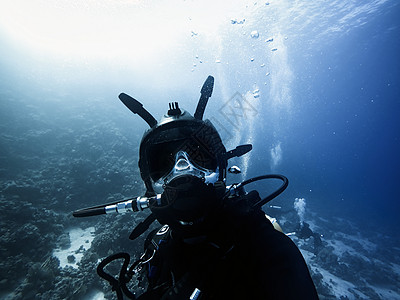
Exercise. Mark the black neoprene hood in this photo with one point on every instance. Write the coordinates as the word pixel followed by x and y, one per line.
pixel 180 132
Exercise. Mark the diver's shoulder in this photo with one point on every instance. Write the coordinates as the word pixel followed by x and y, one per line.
pixel 245 218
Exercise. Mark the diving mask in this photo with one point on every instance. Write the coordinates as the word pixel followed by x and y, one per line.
pixel 184 167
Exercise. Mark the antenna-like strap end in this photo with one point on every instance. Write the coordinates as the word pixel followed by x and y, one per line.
pixel 206 92
pixel 137 108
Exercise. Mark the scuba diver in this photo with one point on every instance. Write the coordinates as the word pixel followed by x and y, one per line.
pixel 304 232
pixel 215 241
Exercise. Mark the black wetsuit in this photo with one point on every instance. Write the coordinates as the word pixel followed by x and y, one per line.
pixel 241 257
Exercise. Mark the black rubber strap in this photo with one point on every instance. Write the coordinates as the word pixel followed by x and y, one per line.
pixel 137 108
pixel 206 92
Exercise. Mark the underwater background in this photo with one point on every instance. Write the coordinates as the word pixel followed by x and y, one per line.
pixel 313 85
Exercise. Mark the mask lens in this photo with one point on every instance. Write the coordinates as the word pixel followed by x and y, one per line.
pixel 184 170
pixel 200 154
pixel 197 142
pixel 162 157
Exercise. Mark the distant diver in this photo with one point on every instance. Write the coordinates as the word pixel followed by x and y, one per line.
pixel 215 241
pixel 304 232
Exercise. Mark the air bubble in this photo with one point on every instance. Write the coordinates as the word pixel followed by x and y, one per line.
pixel 254 34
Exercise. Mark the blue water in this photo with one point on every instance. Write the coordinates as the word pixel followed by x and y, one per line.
pixel 348 135
pixel 318 82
